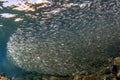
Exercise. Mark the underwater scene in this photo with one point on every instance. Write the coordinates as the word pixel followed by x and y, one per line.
pixel 59 39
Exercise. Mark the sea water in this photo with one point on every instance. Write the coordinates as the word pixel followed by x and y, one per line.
pixel 58 37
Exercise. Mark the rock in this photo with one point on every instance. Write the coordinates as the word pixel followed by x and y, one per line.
pixel 50 78
pixel 55 78
pixel 71 41
pixel 109 77
pixel 116 61
pixel 106 71
pixel 116 66
pixel 78 77
pixel 90 78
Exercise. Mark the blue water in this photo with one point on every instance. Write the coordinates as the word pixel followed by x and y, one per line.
pixel 7 27
pixel 5 66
